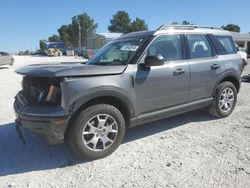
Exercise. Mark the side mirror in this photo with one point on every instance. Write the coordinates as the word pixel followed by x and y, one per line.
pixel 237 48
pixel 154 60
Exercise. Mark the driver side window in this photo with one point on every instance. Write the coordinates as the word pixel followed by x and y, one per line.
pixel 167 46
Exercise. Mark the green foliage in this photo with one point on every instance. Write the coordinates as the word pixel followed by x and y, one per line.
pixel 120 23
pixel 54 38
pixel 138 25
pixel 64 34
pixel 69 34
pixel 231 27
pixel 175 23
pixel 185 22
pixel 42 45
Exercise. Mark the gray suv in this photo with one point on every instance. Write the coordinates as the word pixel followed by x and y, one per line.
pixel 135 79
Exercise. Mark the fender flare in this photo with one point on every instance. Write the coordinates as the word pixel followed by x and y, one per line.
pixel 115 93
pixel 232 74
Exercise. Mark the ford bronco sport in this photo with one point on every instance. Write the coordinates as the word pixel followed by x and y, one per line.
pixel 137 78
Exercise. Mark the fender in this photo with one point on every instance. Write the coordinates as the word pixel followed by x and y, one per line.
pixel 105 92
pixel 230 73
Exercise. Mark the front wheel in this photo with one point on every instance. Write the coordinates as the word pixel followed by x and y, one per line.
pixel 225 99
pixel 97 131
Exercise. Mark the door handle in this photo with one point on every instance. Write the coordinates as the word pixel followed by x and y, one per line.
pixel 179 71
pixel 215 66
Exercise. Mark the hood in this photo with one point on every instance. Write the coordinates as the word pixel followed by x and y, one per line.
pixel 69 70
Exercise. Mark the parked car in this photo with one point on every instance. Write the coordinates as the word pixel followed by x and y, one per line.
pixel 135 79
pixel 22 53
pixel 242 54
pixel 6 59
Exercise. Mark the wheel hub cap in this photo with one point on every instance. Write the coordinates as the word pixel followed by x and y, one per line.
pixel 100 132
pixel 226 100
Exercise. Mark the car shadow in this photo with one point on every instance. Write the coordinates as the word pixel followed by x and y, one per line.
pixel 246 78
pixel 4 68
pixel 16 157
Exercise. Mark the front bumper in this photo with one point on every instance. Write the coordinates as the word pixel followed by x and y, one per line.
pixel 48 122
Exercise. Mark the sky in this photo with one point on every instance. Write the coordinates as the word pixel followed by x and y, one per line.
pixel 24 22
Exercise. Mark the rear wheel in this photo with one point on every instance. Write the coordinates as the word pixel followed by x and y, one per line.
pixel 97 131
pixel 225 99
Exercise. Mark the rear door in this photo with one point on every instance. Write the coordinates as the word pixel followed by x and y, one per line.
pixel 205 66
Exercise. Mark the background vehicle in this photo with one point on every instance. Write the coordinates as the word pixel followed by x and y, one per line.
pixel 242 54
pixel 6 59
pixel 137 78
pixel 53 52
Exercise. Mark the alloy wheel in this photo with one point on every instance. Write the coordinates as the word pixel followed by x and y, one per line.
pixel 100 132
pixel 226 101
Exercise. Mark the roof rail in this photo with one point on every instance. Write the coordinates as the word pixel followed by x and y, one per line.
pixel 186 27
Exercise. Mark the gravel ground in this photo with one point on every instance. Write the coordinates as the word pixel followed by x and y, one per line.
pixel 190 150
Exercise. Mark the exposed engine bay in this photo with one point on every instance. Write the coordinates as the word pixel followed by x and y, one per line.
pixel 40 91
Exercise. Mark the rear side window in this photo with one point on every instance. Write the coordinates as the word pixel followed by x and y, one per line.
pixel 227 43
pixel 169 46
pixel 199 46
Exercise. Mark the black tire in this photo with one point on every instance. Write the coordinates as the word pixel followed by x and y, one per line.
pixel 80 123
pixel 215 108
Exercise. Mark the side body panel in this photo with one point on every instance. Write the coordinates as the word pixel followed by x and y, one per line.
pixel 204 77
pixel 160 87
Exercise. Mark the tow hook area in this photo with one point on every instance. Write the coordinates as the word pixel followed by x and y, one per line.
pixel 19 132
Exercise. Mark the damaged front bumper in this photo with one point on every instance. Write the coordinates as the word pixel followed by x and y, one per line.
pixel 48 122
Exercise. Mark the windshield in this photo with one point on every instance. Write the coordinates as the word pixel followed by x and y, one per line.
pixel 118 52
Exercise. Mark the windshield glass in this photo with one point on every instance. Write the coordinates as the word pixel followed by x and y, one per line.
pixel 118 52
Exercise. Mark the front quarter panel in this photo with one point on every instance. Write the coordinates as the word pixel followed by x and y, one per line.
pixel 78 91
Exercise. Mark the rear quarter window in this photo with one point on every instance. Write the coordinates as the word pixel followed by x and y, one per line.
pixel 227 43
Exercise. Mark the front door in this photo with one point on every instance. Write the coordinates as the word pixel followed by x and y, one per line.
pixel 160 87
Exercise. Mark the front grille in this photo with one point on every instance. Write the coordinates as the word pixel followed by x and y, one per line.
pixel 36 90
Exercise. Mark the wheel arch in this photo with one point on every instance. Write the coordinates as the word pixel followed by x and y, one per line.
pixel 117 99
pixel 230 77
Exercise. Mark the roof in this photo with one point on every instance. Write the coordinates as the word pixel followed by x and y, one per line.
pixel 166 29
pixel 137 34
pixel 191 29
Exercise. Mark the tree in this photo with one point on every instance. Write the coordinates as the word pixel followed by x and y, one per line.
pixel 120 22
pixel 231 27
pixel 69 34
pixel 138 25
pixel 64 35
pixel 185 22
pixel 175 23
pixel 54 38
pixel 42 45
pixel 87 25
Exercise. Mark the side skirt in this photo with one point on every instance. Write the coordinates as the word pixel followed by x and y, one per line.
pixel 169 112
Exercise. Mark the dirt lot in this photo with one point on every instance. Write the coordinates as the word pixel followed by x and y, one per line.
pixel 190 150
